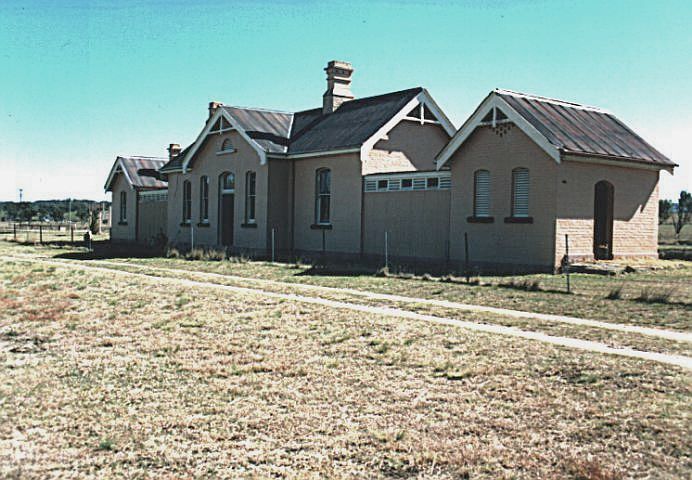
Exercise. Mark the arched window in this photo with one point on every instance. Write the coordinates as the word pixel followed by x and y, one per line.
pixel 227 146
pixel 323 193
pixel 204 199
pixel 227 182
pixel 123 207
pixel 520 192
pixel 187 201
pixel 250 189
pixel 481 193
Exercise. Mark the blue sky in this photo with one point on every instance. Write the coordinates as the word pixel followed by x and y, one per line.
pixel 83 81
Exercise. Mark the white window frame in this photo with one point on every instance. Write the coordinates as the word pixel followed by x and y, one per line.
pixel 187 201
pixel 393 182
pixel 204 199
pixel 250 196
pixel 321 196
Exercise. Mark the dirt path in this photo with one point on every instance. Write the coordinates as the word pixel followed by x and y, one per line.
pixel 653 332
pixel 678 360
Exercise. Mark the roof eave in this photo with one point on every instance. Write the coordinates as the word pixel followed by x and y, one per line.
pixel 640 162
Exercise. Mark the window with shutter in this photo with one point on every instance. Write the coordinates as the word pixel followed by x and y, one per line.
pixel 481 193
pixel 520 192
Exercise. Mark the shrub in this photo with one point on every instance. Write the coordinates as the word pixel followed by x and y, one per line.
pixel 106 445
pixel 172 253
pixel 615 293
pixel 651 295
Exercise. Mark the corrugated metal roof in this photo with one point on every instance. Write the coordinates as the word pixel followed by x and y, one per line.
pixel 133 165
pixel 311 131
pixel 270 129
pixel 582 130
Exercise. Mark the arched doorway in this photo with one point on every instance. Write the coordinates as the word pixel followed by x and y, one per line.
pixel 604 195
pixel 226 208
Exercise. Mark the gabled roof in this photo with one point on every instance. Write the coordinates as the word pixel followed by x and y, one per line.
pixel 138 171
pixel 351 126
pixel 563 128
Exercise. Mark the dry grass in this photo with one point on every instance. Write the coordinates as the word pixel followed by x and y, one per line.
pixel 110 377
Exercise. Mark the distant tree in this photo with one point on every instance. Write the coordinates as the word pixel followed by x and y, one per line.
pixel 665 209
pixel 683 213
pixel 94 225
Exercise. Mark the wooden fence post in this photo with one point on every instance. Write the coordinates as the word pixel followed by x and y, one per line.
pixel 71 233
pixel 466 257
pixel 40 233
pixel 566 266
pixel 14 225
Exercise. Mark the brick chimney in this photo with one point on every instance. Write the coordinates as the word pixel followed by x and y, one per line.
pixel 213 107
pixel 173 151
pixel 338 86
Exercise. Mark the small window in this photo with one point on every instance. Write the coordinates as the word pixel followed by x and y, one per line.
pixel 433 182
pixel 382 184
pixel 323 187
pixel 227 146
pixel 187 201
pixel 123 207
pixel 520 192
pixel 406 183
pixel 204 199
pixel 250 186
pixel 227 183
pixel 481 193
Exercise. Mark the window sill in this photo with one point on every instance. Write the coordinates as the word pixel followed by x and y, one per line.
pixel 225 152
pixel 203 224
pixel 248 225
pixel 518 219
pixel 321 226
pixel 480 219
pixel 122 223
pixel 185 224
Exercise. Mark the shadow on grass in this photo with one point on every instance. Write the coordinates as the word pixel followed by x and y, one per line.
pixel 103 250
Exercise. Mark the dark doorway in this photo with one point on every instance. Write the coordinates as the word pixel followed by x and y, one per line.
pixel 603 221
pixel 226 219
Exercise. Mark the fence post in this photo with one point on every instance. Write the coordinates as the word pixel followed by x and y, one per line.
pixel 71 233
pixel 566 263
pixel 40 233
pixel 386 249
pixel 14 225
pixel 466 257
pixel 273 247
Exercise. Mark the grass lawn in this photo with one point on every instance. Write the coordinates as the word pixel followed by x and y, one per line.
pixel 666 234
pixel 111 376
pixel 658 294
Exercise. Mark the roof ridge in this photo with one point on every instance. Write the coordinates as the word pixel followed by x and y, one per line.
pixel 557 101
pixel 259 109
pixel 142 156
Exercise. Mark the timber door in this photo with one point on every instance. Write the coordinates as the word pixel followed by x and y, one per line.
pixel 603 221
pixel 226 208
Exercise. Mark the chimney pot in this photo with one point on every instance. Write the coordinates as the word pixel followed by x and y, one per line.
pixel 338 85
pixel 213 107
pixel 173 151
